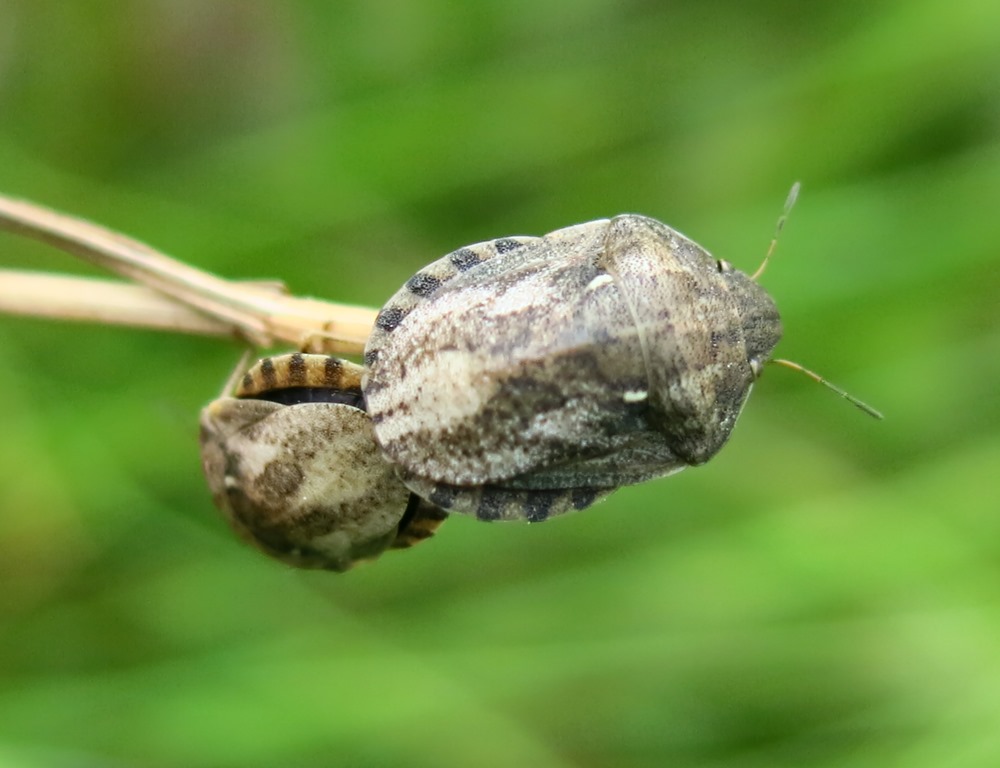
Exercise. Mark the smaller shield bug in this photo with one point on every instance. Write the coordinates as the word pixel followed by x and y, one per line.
pixel 291 461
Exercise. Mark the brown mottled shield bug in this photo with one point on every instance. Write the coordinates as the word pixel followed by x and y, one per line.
pixel 292 462
pixel 527 376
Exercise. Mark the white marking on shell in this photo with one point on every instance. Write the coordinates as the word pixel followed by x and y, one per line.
pixel 697 385
pixel 635 395
pixel 256 455
pixel 598 281
pixel 442 391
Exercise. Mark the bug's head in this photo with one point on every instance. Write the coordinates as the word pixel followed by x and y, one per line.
pixel 758 315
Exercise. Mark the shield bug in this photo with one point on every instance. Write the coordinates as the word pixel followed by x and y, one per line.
pixel 523 377
pixel 292 462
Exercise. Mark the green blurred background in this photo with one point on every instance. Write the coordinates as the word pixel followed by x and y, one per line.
pixel 825 592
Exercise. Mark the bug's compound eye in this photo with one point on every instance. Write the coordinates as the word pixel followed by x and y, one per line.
pixel 757 367
pixel 723 266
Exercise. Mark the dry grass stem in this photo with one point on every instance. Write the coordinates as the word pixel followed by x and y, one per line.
pixel 171 295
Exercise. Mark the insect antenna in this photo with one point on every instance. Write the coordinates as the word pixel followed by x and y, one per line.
pixel 793 195
pixel 830 385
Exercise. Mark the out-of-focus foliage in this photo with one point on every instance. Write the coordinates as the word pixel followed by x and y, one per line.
pixel 826 592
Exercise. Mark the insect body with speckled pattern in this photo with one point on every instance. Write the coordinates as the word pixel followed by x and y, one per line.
pixel 514 379
pixel 292 463
pixel 528 376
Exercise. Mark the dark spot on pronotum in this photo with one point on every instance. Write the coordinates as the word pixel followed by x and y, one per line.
pixel 280 479
pixel 538 505
pixel 332 369
pixel 422 284
pixel 491 505
pixel 443 496
pixel 389 318
pixel 464 259
pixel 297 370
pixel 371 357
pixel 270 377
pixel 583 497
pixel 373 386
pixel 505 244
